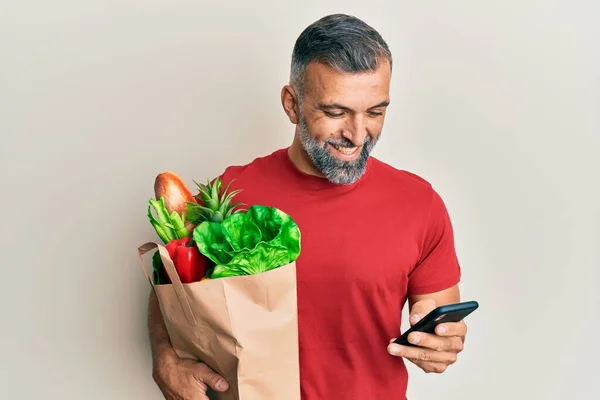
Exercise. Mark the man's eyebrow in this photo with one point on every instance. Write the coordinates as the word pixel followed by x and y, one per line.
pixel 337 106
pixel 382 104
pixel 332 106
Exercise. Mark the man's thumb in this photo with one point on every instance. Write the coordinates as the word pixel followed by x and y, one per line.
pixel 421 309
pixel 212 379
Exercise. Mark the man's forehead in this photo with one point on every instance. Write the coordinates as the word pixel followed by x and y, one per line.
pixel 327 86
pixel 320 76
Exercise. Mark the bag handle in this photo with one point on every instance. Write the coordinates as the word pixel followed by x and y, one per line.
pixel 173 276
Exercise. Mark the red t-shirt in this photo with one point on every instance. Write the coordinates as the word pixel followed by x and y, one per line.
pixel 364 248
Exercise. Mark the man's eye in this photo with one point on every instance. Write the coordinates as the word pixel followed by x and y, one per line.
pixel 375 113
pixel 334 115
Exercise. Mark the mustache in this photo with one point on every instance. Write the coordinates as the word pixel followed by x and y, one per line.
pixel 345 142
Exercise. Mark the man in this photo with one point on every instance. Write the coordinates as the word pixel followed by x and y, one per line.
pixel 373 236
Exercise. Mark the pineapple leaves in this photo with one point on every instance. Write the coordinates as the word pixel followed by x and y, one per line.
pixel 213 204
pixel 251 242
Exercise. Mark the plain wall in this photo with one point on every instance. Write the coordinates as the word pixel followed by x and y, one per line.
pixel 495 103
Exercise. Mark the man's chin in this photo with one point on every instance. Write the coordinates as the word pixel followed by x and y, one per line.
pixel 344 177
pixel 345 174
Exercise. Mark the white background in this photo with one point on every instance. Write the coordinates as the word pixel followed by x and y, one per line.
pixel 495 102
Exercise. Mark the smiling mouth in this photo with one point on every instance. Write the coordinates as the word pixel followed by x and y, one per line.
pixel 347 151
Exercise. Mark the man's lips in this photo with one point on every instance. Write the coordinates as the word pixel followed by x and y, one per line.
pixel 345 152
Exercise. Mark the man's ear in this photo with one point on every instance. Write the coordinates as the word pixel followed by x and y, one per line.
pixel 290 103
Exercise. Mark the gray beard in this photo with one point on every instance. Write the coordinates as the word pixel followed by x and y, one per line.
pixel 335 170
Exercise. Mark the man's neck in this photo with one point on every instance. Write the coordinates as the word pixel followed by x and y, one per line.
pixel 300 159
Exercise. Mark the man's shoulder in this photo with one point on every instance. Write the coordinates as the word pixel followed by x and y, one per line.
pixel 401 178
pixel 257 164
pixel 411 190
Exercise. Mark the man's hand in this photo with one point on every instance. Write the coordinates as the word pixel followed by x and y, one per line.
pixel 177 378
pixel 436 351
pixel 184 379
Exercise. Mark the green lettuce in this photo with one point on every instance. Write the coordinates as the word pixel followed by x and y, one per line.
pixel 251 242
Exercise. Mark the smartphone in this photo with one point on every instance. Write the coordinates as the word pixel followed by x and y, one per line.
pixel 448 313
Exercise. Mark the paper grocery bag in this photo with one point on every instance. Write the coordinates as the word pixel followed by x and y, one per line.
pixel 244 327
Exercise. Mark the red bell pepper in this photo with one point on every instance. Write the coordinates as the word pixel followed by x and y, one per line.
pixel 190 264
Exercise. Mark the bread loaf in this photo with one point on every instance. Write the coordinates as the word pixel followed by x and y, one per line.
pixel 174 191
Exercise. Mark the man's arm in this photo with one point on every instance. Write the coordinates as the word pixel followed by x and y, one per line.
pixel 160 344
pixel 177 378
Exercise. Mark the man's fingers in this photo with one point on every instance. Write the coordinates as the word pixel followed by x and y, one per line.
pixel 422 354
pixel 451 329
pixel 198 396
pixel 430 367
pixel 211 378
pixel 434 342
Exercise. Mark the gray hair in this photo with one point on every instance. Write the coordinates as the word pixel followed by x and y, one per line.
pixel 342 42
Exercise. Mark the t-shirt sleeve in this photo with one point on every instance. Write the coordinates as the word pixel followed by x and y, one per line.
pixel 438 267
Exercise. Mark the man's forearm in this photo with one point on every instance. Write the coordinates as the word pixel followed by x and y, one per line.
pixel 159 337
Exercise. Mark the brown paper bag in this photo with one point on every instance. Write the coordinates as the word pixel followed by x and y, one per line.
pixel 244 327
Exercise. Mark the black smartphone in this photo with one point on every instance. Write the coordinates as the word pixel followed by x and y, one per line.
pixel 448 313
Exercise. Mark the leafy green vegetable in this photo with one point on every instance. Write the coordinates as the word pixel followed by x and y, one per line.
pixel 255 241
pixel 167 226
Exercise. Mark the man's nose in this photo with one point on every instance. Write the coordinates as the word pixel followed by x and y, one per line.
pixel 356 131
